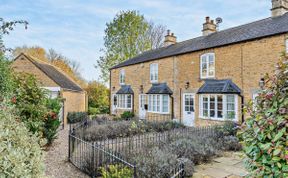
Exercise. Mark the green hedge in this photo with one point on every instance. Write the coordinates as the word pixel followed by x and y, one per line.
pixel 74 117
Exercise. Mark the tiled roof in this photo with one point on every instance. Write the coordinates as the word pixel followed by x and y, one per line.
pixel 58 77
pixel 219 87
pixel 160 88
pixel 125 89
pixel 251 31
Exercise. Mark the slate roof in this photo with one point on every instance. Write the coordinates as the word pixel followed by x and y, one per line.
pixel 125 89
pixel 251 31
pixel 219 87
pixel 160 88
pixel 58 77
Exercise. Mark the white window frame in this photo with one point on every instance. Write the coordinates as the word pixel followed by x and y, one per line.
pixel 286 45
pixel 122 77
pixel 124 97
pixel 153 103
pixel 154 73
pixel 207 55
pixel 224 107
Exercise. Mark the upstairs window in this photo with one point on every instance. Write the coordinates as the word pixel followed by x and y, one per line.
pixel 122 77
pixel 154 73
pixel 207 65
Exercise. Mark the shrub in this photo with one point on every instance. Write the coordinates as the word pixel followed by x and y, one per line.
pixel 127 115
pixel 74 117
pixel 52 121
pixel 93 111
pixel 20 154
pixel 264 134
pixel 230 143
pixel 116 171
pixel 6 78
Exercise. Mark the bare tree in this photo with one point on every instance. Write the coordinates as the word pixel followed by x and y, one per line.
pixel 156 33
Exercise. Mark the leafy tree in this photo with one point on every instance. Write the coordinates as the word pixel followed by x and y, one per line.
pixel 128 35
pixel 6 28
pixel 98 97
pixel 6 78
pixel 264 134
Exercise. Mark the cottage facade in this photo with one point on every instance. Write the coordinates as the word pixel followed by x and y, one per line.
pixel 202 80
pixel 57 83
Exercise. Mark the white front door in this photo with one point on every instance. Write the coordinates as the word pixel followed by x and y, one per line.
pixel 142 103
pixel 188 109
pixel 114 104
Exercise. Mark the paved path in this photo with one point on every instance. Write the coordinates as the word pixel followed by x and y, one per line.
pixel 228 166
pixel 56 159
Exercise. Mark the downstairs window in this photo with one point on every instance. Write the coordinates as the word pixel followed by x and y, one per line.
pixel 158 103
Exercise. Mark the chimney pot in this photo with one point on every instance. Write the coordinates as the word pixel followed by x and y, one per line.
pixel 170 39
pixel 279 7
pixel 209 26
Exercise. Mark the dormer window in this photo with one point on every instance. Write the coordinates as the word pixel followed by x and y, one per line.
pixel 207 65
pixel 154 73
pixel 122 77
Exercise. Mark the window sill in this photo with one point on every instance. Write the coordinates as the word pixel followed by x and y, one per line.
pixel 158 112
pixel 216 119
pixel 124 108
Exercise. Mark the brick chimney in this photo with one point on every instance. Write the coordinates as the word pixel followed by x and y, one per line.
pixel 170 39
pixel 209 27
pixel 279 7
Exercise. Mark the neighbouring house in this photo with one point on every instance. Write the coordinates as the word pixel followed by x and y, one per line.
pixel 55 81
pixel 205 79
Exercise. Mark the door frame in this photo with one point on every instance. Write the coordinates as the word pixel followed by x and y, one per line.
pixel 139 105
pixel 183 106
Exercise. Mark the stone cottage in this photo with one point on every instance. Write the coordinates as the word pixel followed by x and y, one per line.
pixel 205 79
pixel 55 81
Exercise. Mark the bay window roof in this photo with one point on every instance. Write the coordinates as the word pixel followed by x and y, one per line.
pixel 219 87
pixel 160 88
pixel 125 89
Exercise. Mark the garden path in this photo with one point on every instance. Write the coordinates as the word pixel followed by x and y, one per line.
pixel 229 166
pixel 56 159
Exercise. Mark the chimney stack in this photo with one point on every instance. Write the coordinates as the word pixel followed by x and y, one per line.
pixel 279 7
pixel 170 39
pixel 209 27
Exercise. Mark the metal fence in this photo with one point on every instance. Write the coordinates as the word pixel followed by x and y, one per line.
pixel 111 156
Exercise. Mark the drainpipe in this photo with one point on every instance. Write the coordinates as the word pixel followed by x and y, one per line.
pixel 110 93
pixel 242 108
pixel 172 112
pixel 180 99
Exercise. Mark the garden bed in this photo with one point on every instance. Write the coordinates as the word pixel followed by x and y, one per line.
pixel 147 152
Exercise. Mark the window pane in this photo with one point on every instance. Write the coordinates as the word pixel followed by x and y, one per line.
pixel 212 106
pixel 154 103
pixel 150 103
pixel 165 103
pixel 129 101
pixel 158 103
pixel 230 107
pixel 219 106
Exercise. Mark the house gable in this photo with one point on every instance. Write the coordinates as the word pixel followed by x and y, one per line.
pixel 23 64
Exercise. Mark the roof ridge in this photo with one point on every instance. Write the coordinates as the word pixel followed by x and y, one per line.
pixel 35 60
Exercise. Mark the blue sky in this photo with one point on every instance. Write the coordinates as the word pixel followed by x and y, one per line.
pixel 75 28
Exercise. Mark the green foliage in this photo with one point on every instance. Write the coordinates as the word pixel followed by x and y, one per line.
pixel 39 113
pixel 20 154
pixel 98 98
pixel 116 171
pixel 127 115
pixel 6 28
pixel 6 78
pixel 30 102
pixel 125 37
pixel 74 117
pixel 52 121
pixel 264 134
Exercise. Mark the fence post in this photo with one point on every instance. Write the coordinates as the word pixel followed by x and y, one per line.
pixel 135 171
pixel 69 145
pixel 93 159
pixel 182 174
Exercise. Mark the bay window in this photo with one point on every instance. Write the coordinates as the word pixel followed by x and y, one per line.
pixel 158 103
pixel 124 101
pixel 207 65
pixel 218 107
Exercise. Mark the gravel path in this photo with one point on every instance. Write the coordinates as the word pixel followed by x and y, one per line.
pixel 56 159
